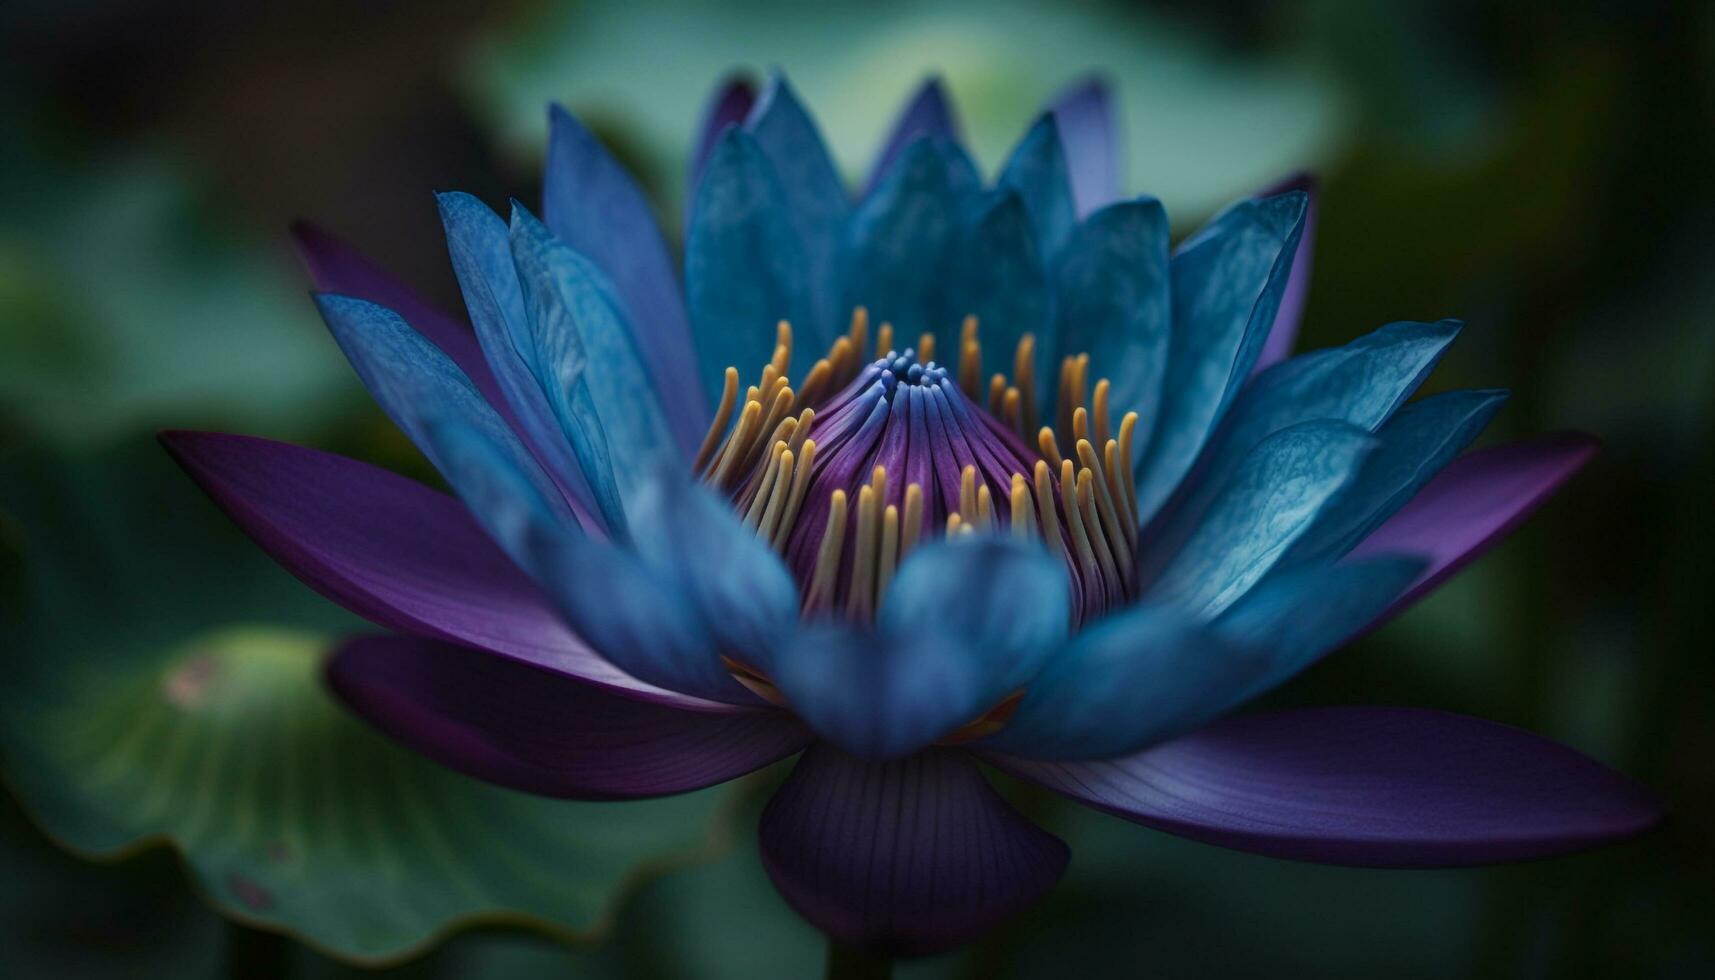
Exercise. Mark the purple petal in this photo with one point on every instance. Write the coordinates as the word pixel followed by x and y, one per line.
pixel 337 267
pixel 1478 499
pixel 727 106
pixel 1284 334
pixel 928 114
pixel 1089 132
pixel 913 856
pixel 1382 787
pixel 530 729
pixel 392 551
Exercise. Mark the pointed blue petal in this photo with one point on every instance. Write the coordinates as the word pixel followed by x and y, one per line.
pixel 1115 298
pixel 482 259
pixel 1416 443
pixel 745 266
pixel 727 106
pixel 1010 598
pixel 432 401
pixel 814 193
pixel 586 357
pixel 638 619
pixel 592 205
pixel 1271 499
pixel 1284 334
pixel 1227 283
pixel 928 113
pixel 1151 673
pixel 745 596
pixel 1090 134
pixel 898 237
pixel 1127 681
pixel 1301 615
pixel 965 624
pixel 1037 170
pixel 1361 383
pixel 996 272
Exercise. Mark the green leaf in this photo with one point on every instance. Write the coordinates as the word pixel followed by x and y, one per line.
pixel 136 715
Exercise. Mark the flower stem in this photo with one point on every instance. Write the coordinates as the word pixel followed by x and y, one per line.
pixel 850 963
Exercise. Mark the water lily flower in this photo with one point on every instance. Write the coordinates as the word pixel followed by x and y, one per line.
pixel 911 483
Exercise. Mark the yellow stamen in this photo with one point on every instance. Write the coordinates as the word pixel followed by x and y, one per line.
pixel 828 555
pixel 859 332
pixel 1024 378
pixel 1048 446
pixel 795 498
pixel 889 559
pixel 1045 515
pixel 912 524
pixel 729 397
pixel 777 496
pixel 859 599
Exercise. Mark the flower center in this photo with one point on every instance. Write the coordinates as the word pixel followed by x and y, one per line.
pixel 849 472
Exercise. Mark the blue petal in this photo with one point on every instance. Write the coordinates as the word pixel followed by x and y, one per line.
pixel 1037 170
pixel 639 620
pixel 478 241
pixel 592 204
pixel 1089 132
pixel 927 114
pixel 996 272
pixel 738 585
pixel 584 348
pixel 1283 336
pixel 1010 598
pixel 745 267
pixel 1227 283
pixel 432 401
pixel 814 193
pixel 1272 498
pixel 1127 681
pixel 1151 672
pixel 1361 383
pixel 727 106
pixel 897 238
pixel 965 624
pixel 1115 298
pixel 1300 615
pixel 1416 443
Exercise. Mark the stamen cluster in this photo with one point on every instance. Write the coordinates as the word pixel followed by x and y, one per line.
pixel 899 449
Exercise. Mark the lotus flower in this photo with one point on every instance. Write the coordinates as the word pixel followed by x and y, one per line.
pixel 934 477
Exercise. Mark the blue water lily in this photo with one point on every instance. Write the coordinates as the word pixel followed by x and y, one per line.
pixel 944 475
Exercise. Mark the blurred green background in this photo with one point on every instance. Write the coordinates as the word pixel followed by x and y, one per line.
pixel 1542 169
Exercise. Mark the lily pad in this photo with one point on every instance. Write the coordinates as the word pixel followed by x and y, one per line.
pixel 137 715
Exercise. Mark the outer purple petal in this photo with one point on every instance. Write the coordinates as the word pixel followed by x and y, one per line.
pixel 727 106
pixel 337 267
pixel 541 732
pixel 929 113
pixel 1284 334
pixel 912 856
pixel 1089 132
pixel 1382 787
pixel 392 551
pixel 1478 499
